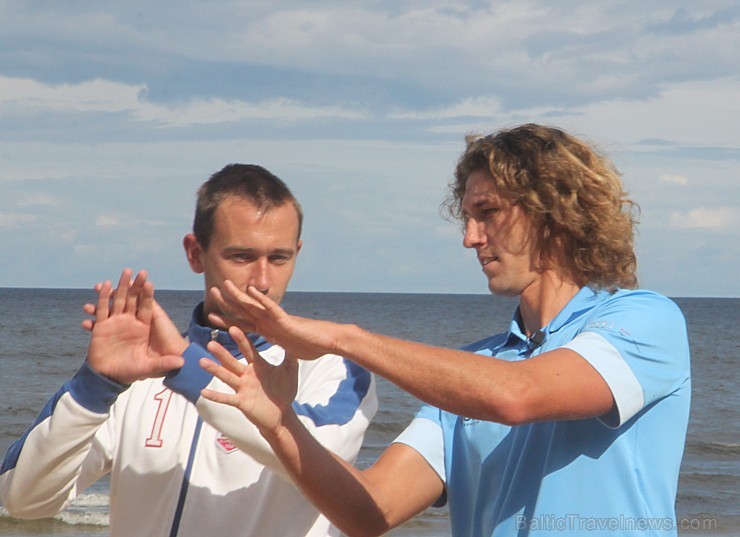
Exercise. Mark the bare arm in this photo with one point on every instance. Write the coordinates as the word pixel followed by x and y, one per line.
pixel 559 384
pixel 398 486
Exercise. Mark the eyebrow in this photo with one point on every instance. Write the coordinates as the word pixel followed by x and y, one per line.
pixel 481 201
pixel 249 249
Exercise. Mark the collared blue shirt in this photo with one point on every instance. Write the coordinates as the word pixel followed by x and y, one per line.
pixel 609 475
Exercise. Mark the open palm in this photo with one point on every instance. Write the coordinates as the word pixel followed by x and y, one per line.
pixel 262 391
pixel 119 344
pixel 307 339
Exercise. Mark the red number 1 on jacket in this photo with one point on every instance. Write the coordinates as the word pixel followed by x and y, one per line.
pixel 163 401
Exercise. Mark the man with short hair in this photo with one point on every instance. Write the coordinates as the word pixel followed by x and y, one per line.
pixel 180 465
pixel 571 422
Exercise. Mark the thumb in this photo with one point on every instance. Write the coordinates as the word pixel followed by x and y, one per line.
pixel 166 363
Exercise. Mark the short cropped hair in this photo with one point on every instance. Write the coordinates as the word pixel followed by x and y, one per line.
pixel 583 219
pixel 248 181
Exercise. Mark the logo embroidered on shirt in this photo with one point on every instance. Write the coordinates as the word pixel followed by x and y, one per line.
pixel 604 325
pixel 226 444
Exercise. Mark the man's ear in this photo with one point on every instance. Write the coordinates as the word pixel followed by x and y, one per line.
pixel 298 246
pixel 194 252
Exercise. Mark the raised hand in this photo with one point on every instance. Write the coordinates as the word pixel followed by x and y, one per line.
pixel 119 343
pixel 165 338
pixel 303 338
pixel 263 392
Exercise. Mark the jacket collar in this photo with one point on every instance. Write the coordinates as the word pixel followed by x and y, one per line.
pixel 201 335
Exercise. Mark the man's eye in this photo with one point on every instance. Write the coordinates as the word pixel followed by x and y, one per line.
pixel 243 258
pixel 279 259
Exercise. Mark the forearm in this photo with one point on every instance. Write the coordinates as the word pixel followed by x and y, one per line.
pixel 232 423
pixel 354 501
pixel 460 382
pixel 338 489
pixel 558 384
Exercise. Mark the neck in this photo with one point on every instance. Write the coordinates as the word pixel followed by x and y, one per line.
pixel 543 300
pixel 203 317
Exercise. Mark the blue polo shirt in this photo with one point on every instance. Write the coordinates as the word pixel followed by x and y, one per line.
pixel 612 475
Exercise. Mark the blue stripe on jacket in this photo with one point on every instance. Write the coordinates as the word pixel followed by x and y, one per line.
pixel 341 406
pixel 90 389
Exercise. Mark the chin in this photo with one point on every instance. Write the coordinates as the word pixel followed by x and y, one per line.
pixel 500 290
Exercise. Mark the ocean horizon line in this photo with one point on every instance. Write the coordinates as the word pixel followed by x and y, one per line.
pixel 303 291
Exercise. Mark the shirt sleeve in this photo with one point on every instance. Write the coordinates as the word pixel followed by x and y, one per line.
pixel 336 402
pixel 63 452
pixel 637 342
pixel 424 434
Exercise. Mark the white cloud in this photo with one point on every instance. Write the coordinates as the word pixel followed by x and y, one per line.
pixel 127 221
pixel 23 94
pixel 572 50
pixel 471 107
pixel 107 221
pixel 702 113
pixel 696 113
pixel 87 96
pixel 36 199
pixel 213 111
pixel 718 218
pixel 678 179
pixel 14 220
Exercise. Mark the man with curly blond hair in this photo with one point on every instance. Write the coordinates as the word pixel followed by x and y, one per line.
pixel 571 422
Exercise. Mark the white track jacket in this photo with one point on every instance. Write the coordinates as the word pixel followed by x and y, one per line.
pixel 179 465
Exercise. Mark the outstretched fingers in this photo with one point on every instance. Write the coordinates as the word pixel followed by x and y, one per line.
pixel 229 372
pixel 266 304
pixel 120 295
pixel 135 293
pixel 90 309
pixel 245 344
pixel 234 307
pixel 103 307
pixel 243 309
pixel 239 302
pixel 230 399
pixel 218 319
pixel 230 369
pixel 135 297
pixel 145 303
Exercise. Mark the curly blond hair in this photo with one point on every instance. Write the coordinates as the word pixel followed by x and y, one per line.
pixel 573 194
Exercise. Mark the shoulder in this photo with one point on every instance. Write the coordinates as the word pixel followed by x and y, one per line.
pixel 636 306
pixel 643 297
pixel 638 322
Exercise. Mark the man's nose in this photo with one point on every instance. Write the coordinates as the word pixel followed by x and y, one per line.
pixel 473 234
pixel 261 276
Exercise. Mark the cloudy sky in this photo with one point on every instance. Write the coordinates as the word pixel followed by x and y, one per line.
pixel 113 113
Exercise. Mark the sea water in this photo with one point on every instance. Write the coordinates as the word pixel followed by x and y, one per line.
pixel 42 345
